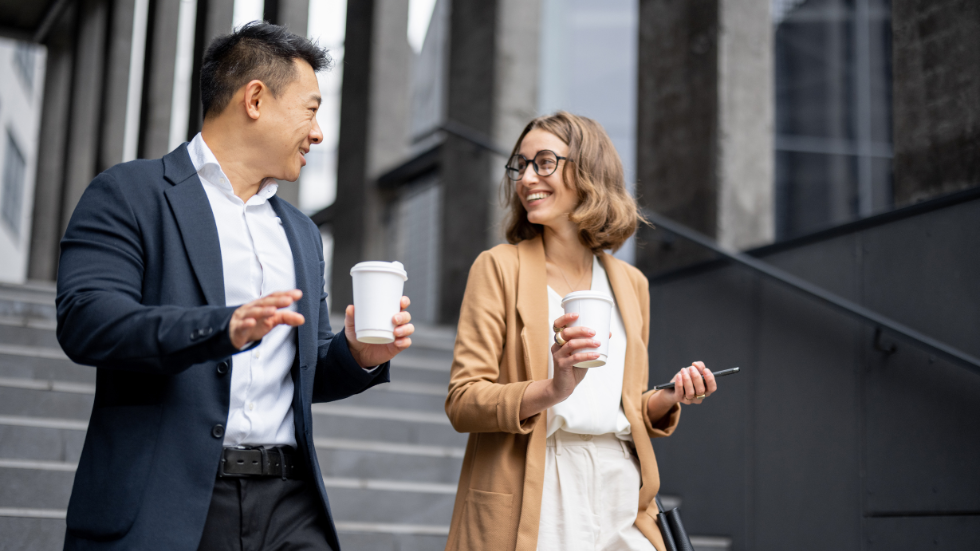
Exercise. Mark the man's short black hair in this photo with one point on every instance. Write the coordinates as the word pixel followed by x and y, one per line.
pixel 255 51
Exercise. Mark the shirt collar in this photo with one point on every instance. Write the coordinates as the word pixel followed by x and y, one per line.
pixel 207 166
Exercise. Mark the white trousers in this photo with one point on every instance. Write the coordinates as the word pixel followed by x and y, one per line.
pixel 591 495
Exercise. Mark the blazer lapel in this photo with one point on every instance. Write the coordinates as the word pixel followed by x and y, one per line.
pixel 302 265
pixel 198 230
pixel 532 305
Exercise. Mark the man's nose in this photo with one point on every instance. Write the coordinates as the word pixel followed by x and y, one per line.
pixel 316 135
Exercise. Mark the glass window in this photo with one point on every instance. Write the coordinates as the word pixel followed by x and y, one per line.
pixel 833 112
pixel 24 59
pixel 11 197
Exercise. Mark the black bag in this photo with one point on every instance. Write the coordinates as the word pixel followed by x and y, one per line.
pixel 672 529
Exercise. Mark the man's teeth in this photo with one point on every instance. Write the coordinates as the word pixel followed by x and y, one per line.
pixel 536 196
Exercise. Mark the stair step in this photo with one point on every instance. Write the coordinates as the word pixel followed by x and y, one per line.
pixel 385 506
pixel 28 331
pixel 28 300
pixel 396 397
pixel 35 488
pixel 37 443
pixel 358 537
pixel 406 462
pixel 389 425
pixel 37 367
pixel 36 534
pixel 44 403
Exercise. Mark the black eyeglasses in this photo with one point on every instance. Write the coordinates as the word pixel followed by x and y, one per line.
pixel 545 163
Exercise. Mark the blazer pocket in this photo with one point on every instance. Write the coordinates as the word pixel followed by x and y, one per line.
pixel 487 522
pixel 113 471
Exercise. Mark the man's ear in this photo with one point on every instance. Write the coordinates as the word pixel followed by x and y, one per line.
pixel 255 94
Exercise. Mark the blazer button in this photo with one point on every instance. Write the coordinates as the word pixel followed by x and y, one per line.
pixel 223 367
pixel 218 431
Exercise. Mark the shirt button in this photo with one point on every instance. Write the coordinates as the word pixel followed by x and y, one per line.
pixel 256 354
pixel 218 431
pixel 251 406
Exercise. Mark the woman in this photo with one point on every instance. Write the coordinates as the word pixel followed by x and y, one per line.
pixel 557 454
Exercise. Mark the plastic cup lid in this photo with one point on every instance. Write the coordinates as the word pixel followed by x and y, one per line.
pixel 577 295
pixel 377 266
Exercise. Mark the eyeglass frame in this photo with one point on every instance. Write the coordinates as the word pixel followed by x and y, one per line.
pixel 534 164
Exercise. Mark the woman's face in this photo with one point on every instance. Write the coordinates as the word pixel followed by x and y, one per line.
pixel 548 199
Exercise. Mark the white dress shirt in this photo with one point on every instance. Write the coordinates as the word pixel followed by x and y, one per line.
pixel 596 405
pixel 256 260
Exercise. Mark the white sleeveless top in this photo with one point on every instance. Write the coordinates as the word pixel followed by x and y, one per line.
pixel 596 405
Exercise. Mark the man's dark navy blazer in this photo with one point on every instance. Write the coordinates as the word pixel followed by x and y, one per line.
pixel 141 297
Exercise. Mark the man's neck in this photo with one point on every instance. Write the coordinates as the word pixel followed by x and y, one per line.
pixel 233 155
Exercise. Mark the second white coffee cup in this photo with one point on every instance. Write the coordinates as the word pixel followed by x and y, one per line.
pixel 378 288
pixel 595 312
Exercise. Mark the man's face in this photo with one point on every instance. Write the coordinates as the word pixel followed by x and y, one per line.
pixel 290 127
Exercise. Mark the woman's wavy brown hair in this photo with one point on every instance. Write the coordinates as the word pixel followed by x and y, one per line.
pixel 606 214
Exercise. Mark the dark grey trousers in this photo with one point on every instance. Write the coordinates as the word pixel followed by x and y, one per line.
pixel 267 514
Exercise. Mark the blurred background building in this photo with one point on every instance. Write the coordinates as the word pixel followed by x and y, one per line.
pixel 834 144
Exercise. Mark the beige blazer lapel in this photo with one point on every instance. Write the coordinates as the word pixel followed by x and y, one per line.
pixel 629 310
pixel 532 306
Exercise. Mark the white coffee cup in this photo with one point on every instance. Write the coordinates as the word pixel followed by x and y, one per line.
pixel 378 290
pixel 595 312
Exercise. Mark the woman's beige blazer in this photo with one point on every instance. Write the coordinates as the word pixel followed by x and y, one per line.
pixel 501 347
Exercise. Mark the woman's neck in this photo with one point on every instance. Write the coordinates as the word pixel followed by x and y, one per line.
pixel 569 261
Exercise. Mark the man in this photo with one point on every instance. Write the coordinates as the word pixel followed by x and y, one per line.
pixel 198 295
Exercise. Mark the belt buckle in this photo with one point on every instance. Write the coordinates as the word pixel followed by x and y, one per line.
pixel 224 460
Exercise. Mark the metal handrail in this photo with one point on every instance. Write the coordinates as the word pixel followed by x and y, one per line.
pixel 839 303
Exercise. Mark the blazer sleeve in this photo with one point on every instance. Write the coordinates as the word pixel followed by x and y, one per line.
pixel 666 425
pixel 477 402
pixel 338 375
pixel 101 320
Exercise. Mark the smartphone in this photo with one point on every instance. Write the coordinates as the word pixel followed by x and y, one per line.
pixel 731 371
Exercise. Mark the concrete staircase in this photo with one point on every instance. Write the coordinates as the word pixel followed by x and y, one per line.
pixel 390 458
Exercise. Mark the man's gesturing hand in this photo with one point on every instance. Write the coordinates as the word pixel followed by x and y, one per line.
pixel 254 320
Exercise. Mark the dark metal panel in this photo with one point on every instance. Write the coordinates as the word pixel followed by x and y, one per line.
pixel 827 264
pixel 706 462
pixel 921 442
pixel 955 533
pixel 807 434
pixel 924 272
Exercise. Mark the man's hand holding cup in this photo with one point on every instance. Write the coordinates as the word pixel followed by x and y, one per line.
pixel 381 327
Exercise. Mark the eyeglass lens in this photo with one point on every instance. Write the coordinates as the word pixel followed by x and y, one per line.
pixel 545 163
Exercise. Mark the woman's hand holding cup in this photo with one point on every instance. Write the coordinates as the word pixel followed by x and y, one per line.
pixel 567 376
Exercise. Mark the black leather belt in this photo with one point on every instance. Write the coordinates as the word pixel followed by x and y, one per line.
pixel 280 461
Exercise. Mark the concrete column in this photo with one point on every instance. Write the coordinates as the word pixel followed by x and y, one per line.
pixel 86 103
pixel 158 84
pixel 46 219
pixel 746 181
pixel 373 132
pixel 214 18
pixel 116 84
pixel 936 95
pixel 294 15
pixel 704 132
pixel 515 93
pixel 467 172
